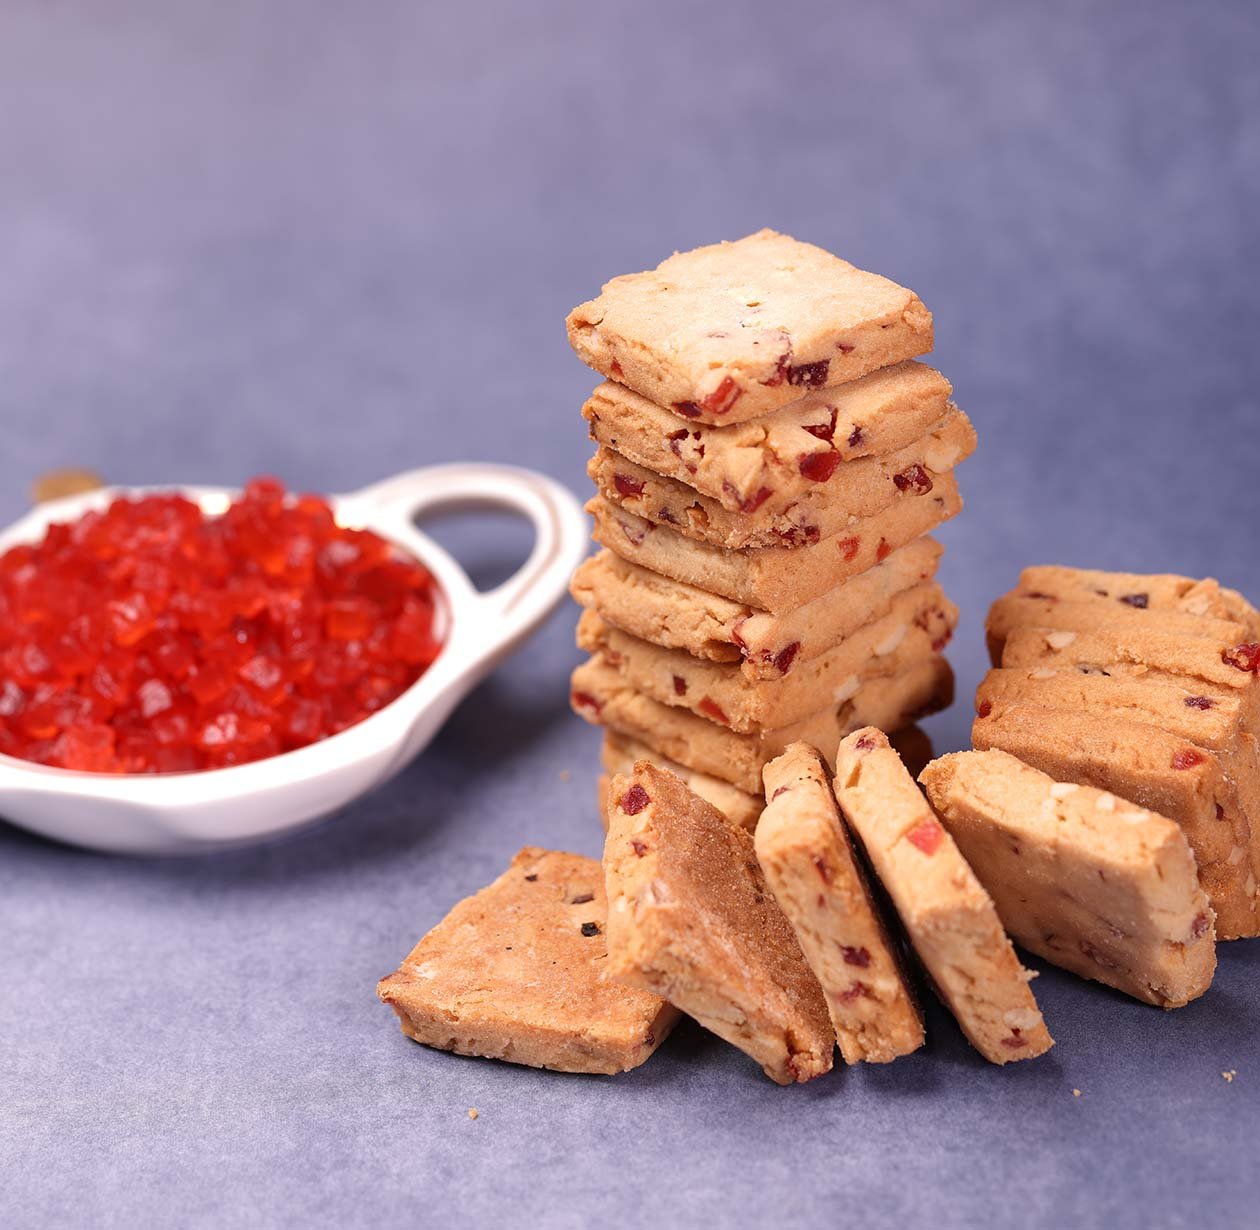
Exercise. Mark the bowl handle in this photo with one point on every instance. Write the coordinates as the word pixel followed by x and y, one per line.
pixel 561 535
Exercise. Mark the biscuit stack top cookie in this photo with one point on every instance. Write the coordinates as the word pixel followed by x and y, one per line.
pixel 769 458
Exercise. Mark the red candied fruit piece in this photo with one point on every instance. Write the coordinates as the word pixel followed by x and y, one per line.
pixel 883 551
pixel 688 409
pixel 849 547
pixel 927 836
pixel 155 638
pixel 824 431
pixel 1187 758
pixel 584 700
pixel 1245 657
pixel 809 375
pixel 711 709
pixel 856 436
pixel 716 403
pixel 865 743
pixel 747 504
pixel 786 656
pixel 614 370
pixel 1199 702
pixel 635 800
pixel 855 956
pixel 819 467
pixel 1141 601
pixel 858 990
pixel 680 686
pixel 913 478
pixel 984 708
pixel 627 486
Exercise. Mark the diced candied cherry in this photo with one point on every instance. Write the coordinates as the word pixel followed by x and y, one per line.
pixel 927 836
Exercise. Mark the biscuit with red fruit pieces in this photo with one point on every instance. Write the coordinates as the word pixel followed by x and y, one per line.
pixel 601 697
pixel 733 331
pixel 517 972
pixel 859 488
pixel 1153 768
pixel 620 752
pixel 1095 885
pixel 919 625
pixel 679 616
pixel 775 461
pixel 690 919
pixel 810 865
pixel 950 919
pixel 776 579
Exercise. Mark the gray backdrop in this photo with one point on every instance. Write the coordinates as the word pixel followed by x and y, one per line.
pixel 333 241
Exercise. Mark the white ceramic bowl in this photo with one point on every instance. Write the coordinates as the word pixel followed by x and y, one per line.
pixel 186 813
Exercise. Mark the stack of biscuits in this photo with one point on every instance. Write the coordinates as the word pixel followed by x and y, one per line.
pixel 1144 686
pixel 769 460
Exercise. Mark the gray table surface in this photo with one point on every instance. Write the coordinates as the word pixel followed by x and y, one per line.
pixel 335 241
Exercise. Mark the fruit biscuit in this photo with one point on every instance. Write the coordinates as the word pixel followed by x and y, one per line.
pixel 620 752
pixel 679 616
pixel 949 917
pixel 856 489
pixel 732 331
pixel 600 696
pixel 781 458
pixel 1152 768
pixel 1142 591
pixel 919 626
pixel 517 972
pixel 690 919
pixel 809 863
pixel 1203 666
pixel 777 579
pixel 1207 723
pixel 1087 881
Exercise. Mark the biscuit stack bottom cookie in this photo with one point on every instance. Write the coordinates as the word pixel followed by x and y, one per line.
pixel 770 459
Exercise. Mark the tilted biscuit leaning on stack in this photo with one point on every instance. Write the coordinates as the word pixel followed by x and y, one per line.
pixel 769 458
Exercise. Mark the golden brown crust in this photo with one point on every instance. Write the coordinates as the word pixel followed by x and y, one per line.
pixel 516 972
pixel 690 918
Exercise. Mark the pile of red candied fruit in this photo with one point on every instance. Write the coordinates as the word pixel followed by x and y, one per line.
pixel 151 638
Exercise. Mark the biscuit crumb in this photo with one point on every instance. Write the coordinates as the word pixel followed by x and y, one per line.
pixel 1076 1093
pixel 1229 1076
pixel 472 1112
pixel 565 775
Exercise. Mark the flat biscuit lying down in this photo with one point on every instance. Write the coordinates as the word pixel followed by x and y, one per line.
pixel 690 918
pixel 810 865
pixel 516 972
pixel 950 919
pixel 1092 883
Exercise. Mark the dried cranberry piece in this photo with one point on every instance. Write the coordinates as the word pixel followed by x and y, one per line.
pixel 584 700
pixel 627 486
pixel 710 708
pixel 688 409
pixel 1141 601
pixel 1015 1041
pixel 856 436
pixel 820 864
pixel 1199 927
pixel 855 956
pixel 883 551
pixel 779 791
pixel 782 366
pixel 809 375
pixel 786 656
pixel 1036 593
pixel 639 847
pixel 819 467
pixel 1245 657
pixel 859 990
pixel 747 504
pixel 719 401
pixel 984 708
pixel 913 478
pixel 864 743
pixel 680 686
pixel 1199 702
pixel 845 347
pixel 849 547
pixel 927 836
pixel 634 800
pixel 823 431
pixel 614 370
pixel 1187 758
